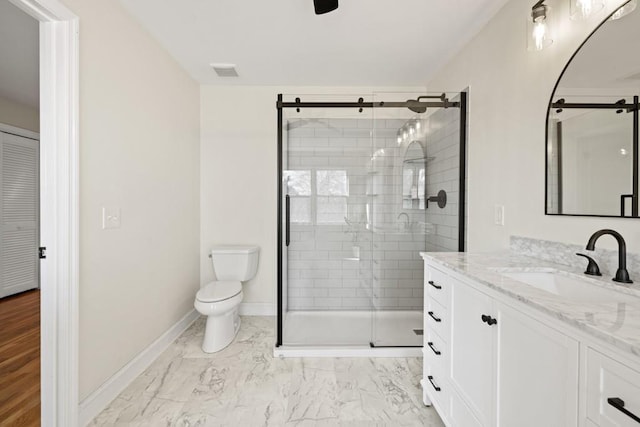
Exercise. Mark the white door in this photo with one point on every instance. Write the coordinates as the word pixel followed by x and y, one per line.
pixel 19 214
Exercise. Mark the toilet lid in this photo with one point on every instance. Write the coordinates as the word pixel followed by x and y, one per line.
pixel 219 291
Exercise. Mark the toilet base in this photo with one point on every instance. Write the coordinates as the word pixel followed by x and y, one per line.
pixel 220 330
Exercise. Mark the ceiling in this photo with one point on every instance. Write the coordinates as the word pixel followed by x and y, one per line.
pixel 282 42
pixel 19 52
pixel 610 59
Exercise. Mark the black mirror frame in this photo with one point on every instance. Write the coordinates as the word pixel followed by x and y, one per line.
pixel 546 136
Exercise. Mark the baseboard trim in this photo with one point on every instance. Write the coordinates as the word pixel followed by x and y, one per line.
pixel 93 404
pixel 257 309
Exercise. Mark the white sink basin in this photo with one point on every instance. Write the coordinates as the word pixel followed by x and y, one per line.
pixel 569 286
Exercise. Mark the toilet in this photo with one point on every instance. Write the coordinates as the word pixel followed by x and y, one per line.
pixel 220 299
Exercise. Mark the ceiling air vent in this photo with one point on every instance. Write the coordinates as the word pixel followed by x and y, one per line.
pixel 225 70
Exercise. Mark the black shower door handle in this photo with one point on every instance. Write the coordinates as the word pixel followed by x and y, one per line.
pixel 287 219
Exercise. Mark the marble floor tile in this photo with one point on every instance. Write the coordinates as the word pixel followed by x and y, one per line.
pixel 244 385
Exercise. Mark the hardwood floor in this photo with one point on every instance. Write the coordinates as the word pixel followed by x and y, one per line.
pixel 20 360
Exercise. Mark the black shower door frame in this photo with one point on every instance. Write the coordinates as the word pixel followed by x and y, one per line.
pixel 360 105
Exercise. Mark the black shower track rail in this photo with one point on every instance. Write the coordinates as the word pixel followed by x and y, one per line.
pixel 382 104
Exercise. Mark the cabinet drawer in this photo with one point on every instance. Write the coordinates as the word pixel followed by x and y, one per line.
pixel 437 285
pixel 436 351
pixel 436 319
pixel 613 392
pixel 437 389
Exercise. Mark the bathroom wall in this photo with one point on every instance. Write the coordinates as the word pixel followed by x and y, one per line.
pixel 19 115
pixel 335 260
pixel 238 179
pixel 139 144
pixel 509 89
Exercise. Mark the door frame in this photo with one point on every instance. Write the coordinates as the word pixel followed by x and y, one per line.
pixel 59 201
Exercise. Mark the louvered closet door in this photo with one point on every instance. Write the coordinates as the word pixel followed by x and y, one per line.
pixel 19 216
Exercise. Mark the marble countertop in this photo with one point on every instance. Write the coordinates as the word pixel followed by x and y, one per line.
pixel 617 323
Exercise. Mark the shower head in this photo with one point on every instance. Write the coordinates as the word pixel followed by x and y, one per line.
pixel 416 106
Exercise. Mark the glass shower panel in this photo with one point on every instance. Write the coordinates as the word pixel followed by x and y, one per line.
pixel 417 155
pixel 327 261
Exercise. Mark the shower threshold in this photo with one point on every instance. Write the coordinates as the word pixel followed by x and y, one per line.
pixel 344 351
pixel 361 333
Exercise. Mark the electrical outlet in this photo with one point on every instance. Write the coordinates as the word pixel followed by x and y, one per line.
pixel 110 218
pixel 498 214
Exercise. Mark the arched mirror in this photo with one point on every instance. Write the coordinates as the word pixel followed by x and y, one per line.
pixel 592 124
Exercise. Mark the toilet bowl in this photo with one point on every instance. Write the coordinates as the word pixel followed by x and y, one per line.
pixel 220 300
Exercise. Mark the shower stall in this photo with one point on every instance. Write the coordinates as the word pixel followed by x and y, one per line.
pixel 365 183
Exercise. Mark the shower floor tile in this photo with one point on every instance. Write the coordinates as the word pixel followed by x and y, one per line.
pixel 244 385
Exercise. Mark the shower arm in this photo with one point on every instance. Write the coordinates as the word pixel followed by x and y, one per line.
pixel 442 97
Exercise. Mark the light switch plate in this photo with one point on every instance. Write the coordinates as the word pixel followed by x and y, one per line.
pixel 498 215
pixel 110 218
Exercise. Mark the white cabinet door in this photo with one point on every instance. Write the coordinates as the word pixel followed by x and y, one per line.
pixel 472 351
pixel 19 214
pixel 537 373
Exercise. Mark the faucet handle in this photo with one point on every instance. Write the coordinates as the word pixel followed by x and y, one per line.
pixel 592 268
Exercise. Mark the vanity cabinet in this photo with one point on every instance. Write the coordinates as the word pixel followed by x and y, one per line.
pixel 498 365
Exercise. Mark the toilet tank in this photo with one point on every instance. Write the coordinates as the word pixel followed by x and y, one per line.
pixel 235 262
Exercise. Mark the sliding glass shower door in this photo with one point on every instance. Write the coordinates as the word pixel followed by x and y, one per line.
pixel 364 187
pixel 327 248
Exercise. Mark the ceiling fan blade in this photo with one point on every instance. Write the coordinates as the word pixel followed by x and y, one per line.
pixel 325 6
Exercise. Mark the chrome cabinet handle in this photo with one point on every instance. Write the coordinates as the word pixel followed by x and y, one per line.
pixel 618 403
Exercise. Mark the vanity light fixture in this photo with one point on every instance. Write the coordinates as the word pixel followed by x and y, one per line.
pixel 584 9
pixel 624 10
pixel 538 27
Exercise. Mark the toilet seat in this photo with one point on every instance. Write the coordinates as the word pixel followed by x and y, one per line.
pixel 219 291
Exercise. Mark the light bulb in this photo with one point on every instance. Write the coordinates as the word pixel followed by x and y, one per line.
pixel 417 125
pixel 411 130
pixel 539 34
pixel 405 135
pixel 539 27
pixel 399 140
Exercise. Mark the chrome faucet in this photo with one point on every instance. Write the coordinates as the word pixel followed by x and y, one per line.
pixel 406 223
pixel 622 275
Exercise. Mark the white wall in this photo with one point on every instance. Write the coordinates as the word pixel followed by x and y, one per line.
pixel 19 115
pixel 238 180
pixel 509 92
pixel 139 143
